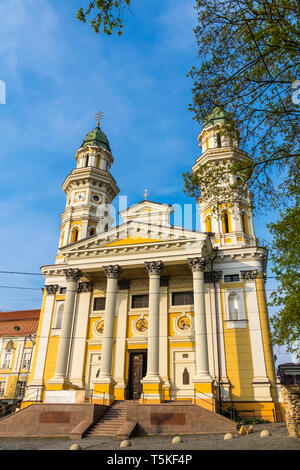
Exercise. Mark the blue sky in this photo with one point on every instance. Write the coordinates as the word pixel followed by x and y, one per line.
pixel 58 74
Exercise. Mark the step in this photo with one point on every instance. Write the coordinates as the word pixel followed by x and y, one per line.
pixel 110 422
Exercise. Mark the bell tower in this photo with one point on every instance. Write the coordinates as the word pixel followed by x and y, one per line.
pixel 229 219
pixel 90 189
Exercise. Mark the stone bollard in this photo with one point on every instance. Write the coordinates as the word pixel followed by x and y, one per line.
pixel 265 433
pixel 75 447
pixel 125 444
pixel 228 436
pixel 176 440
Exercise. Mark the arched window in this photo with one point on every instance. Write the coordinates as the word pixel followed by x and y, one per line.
pixel 245 223
pixel 185 377
pixel 106 228
pixel 219 143
pixel 208 224
pixel 233 305
pixel 59 315
pixel 226 222
pixel 74 235
pixel 92 232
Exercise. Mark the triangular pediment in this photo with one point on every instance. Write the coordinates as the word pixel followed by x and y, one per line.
pixel 135 235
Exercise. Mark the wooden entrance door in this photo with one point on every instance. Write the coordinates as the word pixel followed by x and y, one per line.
pixel 137 370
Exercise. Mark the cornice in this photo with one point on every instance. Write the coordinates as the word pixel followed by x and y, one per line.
pixel 88 173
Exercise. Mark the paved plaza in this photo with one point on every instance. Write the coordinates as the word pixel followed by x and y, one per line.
pixel 278 440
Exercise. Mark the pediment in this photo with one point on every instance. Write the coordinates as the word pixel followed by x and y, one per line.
pixel 136 236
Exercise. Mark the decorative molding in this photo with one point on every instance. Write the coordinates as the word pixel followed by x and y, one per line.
pixel 85 287
pixel 72 274
pixel 51 288
pixel 124 284
pixel 113 271
pixel 249 274
pixel 197 264
pixel 154 267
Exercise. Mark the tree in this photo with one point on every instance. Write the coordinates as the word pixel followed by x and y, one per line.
pixel 107 15
pixel 285 255
pixel 249 58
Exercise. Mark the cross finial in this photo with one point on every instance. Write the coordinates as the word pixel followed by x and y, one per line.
pixel 99 116
pixel 146 194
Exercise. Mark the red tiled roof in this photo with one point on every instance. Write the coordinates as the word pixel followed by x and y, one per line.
pixel 27 320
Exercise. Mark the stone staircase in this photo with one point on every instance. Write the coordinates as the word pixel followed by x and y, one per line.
pixel 110 423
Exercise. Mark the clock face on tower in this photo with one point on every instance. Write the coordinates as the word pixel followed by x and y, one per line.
pixel 79 197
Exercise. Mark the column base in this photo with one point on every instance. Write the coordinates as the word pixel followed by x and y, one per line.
pixel 152 391
pixel 103 391
pixel 205 395
pixel 120 390
pixel 262 389
pixel 59 383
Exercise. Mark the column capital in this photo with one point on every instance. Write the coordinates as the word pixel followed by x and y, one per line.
pixel 85 287
pixel 197 264
pixel 253 274
pixel 51 288
pixel 154 267
pixel 113 271
pixel 72 274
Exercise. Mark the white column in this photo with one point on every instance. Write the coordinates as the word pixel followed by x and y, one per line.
pixel 35 388
pixel 163 336
pixel 261 383
pixel 197 266
pixel 122 312
pixel 72 276
pixel 112 273
pixel 80 334
pixel 154 269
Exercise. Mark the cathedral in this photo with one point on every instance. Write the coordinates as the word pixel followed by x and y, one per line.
pixel 149 311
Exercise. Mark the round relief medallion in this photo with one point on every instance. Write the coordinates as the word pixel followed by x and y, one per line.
pixel 100 327
pixel 142 325
pixel 184 323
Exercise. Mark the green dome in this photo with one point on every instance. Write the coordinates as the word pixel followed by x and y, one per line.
pixel 217 115
pixel 96 138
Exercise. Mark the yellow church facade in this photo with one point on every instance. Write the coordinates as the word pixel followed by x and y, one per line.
pixel 152 312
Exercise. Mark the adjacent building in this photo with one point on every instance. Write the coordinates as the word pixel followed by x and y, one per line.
pixel 17 341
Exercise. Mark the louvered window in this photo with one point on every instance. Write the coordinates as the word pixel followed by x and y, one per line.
pixel 182 298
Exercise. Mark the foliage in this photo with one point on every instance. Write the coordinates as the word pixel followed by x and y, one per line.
pixel 107 15
pixel 249 58
pixel 286 258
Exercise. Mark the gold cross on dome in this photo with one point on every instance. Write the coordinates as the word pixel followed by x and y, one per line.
pixel 146 194
pixel 99 116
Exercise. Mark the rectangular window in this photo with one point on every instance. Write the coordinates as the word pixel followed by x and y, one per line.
pixel 140 301
pixel 231 278
pixel 182 298
pixel 99 303
pixel 21 385
pixel 26 360
pixel 6 364
pixel 62 290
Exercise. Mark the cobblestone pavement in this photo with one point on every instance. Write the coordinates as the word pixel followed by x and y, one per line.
pixel 278 440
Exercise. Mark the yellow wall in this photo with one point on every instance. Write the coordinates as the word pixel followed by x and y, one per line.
pixel 238 356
